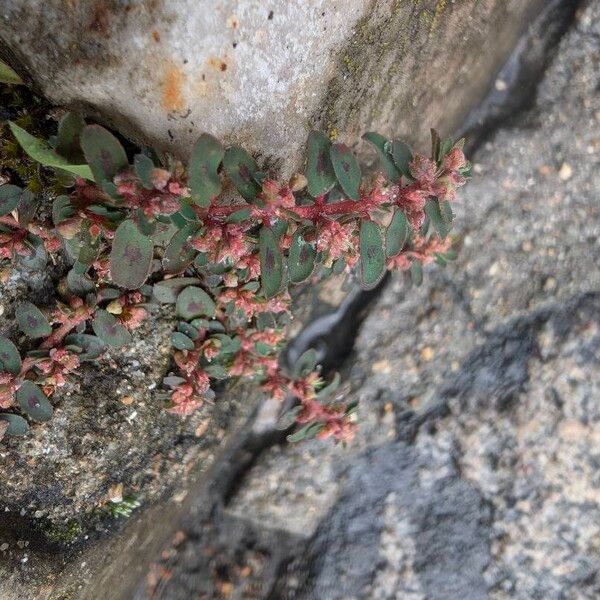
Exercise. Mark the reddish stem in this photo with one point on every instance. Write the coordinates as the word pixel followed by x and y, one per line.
pixel 312 212
pixel 58 335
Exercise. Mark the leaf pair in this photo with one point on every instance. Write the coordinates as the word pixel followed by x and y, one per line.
pixel 328 164
pixel 394 155
pixel 205 183
pixel 375 247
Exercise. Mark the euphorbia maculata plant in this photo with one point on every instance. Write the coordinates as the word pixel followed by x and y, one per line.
pixel 222 241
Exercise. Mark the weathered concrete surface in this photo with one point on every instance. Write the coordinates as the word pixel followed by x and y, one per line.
pixel 260 74
pixel 475 471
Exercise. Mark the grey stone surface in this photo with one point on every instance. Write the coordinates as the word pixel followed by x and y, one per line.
pixel 264 74
pixel 474 474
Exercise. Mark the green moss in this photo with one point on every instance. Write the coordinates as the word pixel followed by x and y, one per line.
pixel 63 534
pixel 123 508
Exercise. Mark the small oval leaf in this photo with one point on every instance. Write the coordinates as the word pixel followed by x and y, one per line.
pixel 103 153
pixel 205 183
pixel 188 329
pixel 402 156
pixel 194 302
pixel 271 262
pixel 319 170
pixel 330 389
pixel 33 402
pixel 38 258
pixel 372 254
pixel 9 198
pixel 10 359
pixel 109 330
pixel 301 259
pixel 181 341
pixel 396 234
pixel 143 166
pixel 241 169
pixel 79 283
pixel 179 253
pixel 347 170
pixel 432 210
pixel 416 273
pixel 68 142
pixel 131 256
pixel 62 209
pixel 90 347
pixel 306 363
pixel 307 432
pixel 17 425
pixel 32 321
pixel 167 291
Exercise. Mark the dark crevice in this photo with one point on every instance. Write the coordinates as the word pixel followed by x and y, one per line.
pixel 519 78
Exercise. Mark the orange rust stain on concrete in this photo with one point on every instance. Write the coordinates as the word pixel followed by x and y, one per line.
pixel 217 64
pixel 172 84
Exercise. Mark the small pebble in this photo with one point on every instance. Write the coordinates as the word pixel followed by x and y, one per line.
pixel 427 353
pixel 566 172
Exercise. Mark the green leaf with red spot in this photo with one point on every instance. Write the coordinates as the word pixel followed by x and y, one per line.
pixel 194 302
pixel 110 330
pixel 130 256
pixel 381 145
pixel 17 425
pixel 9 198
pixel 347 170
pixel 10 359
pixel 301 258
pixel 241 169
pixel 271 262
pixel 103 153
pixel 205 183
pixel 396 233
pixel 319 170
pixel 33 402
pixel 372 254
pixel 32 321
